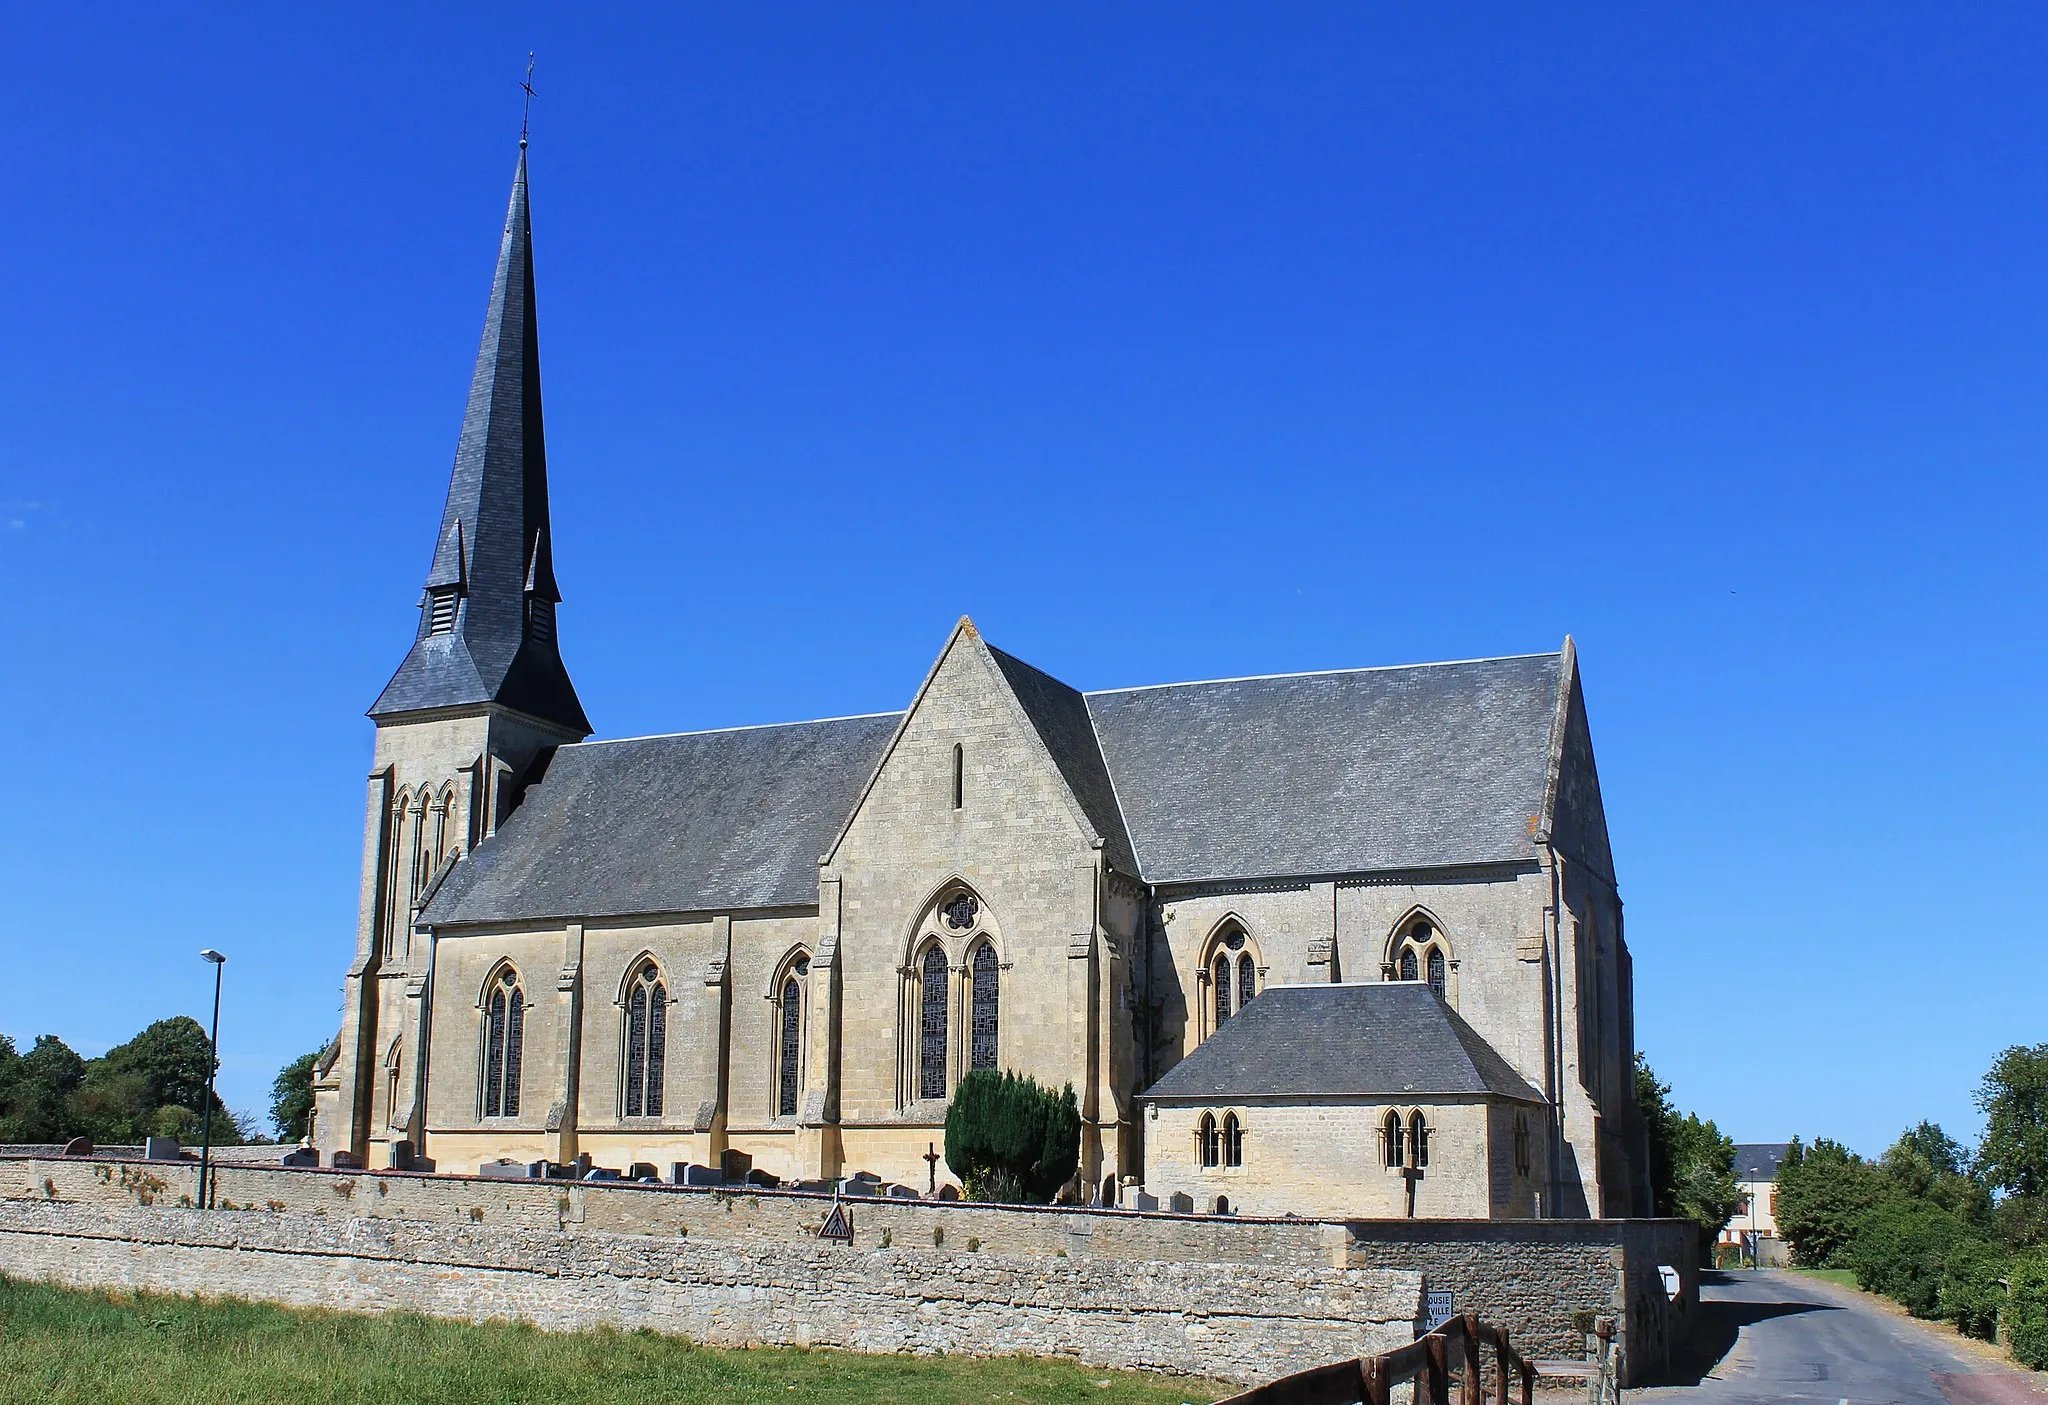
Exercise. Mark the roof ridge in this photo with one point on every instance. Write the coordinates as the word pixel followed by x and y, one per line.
pixel 714 731
pixel 1325 673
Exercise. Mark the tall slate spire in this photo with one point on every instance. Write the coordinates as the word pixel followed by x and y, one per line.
pixel 487 618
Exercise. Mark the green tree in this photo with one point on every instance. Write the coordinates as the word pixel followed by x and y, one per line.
pixel 291 1097
pixel 46 1077
pixel 155 1082
pixel 1823 1193
pixel 1009 1139
pixel 1926 1163
pixel 2013 1157
pixel 1692 1166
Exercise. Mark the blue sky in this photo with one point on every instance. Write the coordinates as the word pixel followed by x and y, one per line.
pixel 1169 342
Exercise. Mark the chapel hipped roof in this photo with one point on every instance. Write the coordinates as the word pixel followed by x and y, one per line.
pixel 494 548
pixel 1322 774
pixel 1393 1040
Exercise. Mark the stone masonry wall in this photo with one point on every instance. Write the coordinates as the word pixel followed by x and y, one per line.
pixel 1531 1276
pixel 1232 1322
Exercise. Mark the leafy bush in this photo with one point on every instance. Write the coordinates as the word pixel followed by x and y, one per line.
pixel 1692 1166
pixel 1901 1249
pixel 1970 1294
pixel 1010 1139
pixel 2026 1312
pixel 291 1097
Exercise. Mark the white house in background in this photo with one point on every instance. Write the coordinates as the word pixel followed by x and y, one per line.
pixel 1756 1172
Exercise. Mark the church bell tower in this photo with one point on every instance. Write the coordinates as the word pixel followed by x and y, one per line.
pixel 481 698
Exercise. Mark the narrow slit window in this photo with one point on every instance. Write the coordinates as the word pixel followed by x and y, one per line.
pixel 959 776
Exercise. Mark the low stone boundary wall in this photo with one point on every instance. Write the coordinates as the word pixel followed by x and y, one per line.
pixel 1532 1276
pixel 1227 1321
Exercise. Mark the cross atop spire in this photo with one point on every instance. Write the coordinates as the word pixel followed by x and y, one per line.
pixel 526 108
pixel 487 618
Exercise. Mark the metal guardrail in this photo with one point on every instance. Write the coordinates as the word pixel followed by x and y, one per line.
pixel 1459 1345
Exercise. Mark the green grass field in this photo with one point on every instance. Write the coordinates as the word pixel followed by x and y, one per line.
pixel 58 1347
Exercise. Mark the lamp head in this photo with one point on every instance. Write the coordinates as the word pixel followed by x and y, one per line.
pixel 215 957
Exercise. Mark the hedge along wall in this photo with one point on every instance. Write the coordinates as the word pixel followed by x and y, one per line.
pixel 1532 1276
pixel 1232 1322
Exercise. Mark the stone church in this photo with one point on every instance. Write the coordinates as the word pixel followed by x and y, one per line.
pixel 1330 943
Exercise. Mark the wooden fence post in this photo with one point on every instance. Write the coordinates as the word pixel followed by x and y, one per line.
pixel 1439 1369
pixel 1376 1386
pixel 1502 1356
pixel 1471 1395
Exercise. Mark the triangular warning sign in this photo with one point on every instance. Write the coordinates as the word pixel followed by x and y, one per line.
pixel 838 1225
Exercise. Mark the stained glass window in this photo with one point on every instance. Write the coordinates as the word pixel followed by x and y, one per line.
pixel 1418 1140
pixel 1396 1152
pixel 657 1046
pixel 791 1052
pixel 636 1050
pixel 987 1008
pixel 961 912
pixel 1233 1141
pixel 1436 971
pixel 646 1042
pixel 1408 970
pixel 1247 980
pixel 1221 980
pixel 1211 1150
pixel 494 1055
pixel 504 1039
pixel 931 1043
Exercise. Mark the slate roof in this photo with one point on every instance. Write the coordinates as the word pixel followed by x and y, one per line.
pixel 1763 1157
pixel 1060 715
pixel 698 822
pixel 1391 1039
pixel 1423 766
pixel 494 543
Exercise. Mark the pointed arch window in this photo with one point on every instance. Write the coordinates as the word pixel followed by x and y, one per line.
pixel 1209 1141
pixel 931 1024
pixel 959 775
pixel 1233 1140
pixel 1418 1141
pixel 1523 1157
pixel 1422 953
pixel 1247 979
pixel 1396 1143
pixel 646 1041
pixel 504 1044
pixel 789 1035
pixel 986 1010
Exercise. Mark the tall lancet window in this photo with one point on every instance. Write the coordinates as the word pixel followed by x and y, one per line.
pixel 1247 979
pixel 931 1034
pixel 789 1037
pixel 504 1044
pixel 1220 979
pixel 987 1007
pixel 646 1041
pixel 1436 972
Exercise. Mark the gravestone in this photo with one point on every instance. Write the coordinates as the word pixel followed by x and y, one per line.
pixel 767 1180
pixel 702 1175
pixel 1182 1203
pixel 82 1146
pixel 869 1176
pixel 857 1186
pixel 735 1164
pixel 949 1192
pixel 902 1192
pixel 402 1156
pixel 1141 1201
pixel 302 1157
pixel 347 1161
pixel 153 1149
pixel 505 1169
pixel 642 1171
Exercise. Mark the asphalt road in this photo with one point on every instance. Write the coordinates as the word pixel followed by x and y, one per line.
pixel 1795 1338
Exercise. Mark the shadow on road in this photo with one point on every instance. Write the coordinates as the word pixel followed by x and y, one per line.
pixel 1716 1328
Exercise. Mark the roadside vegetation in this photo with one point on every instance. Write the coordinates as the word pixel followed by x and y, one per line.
pixel 1946 1232
pixel 152 1086
pixel 66 1348
pixel 1692 1166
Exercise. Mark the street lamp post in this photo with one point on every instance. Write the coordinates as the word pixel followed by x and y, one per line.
pixel 1755 1259
pixel 212 1066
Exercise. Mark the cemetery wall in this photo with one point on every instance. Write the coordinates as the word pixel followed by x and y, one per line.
pixel 1533 1276
pixel 1233 1322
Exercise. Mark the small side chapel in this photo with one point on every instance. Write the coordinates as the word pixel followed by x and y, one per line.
pixel 1341 943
